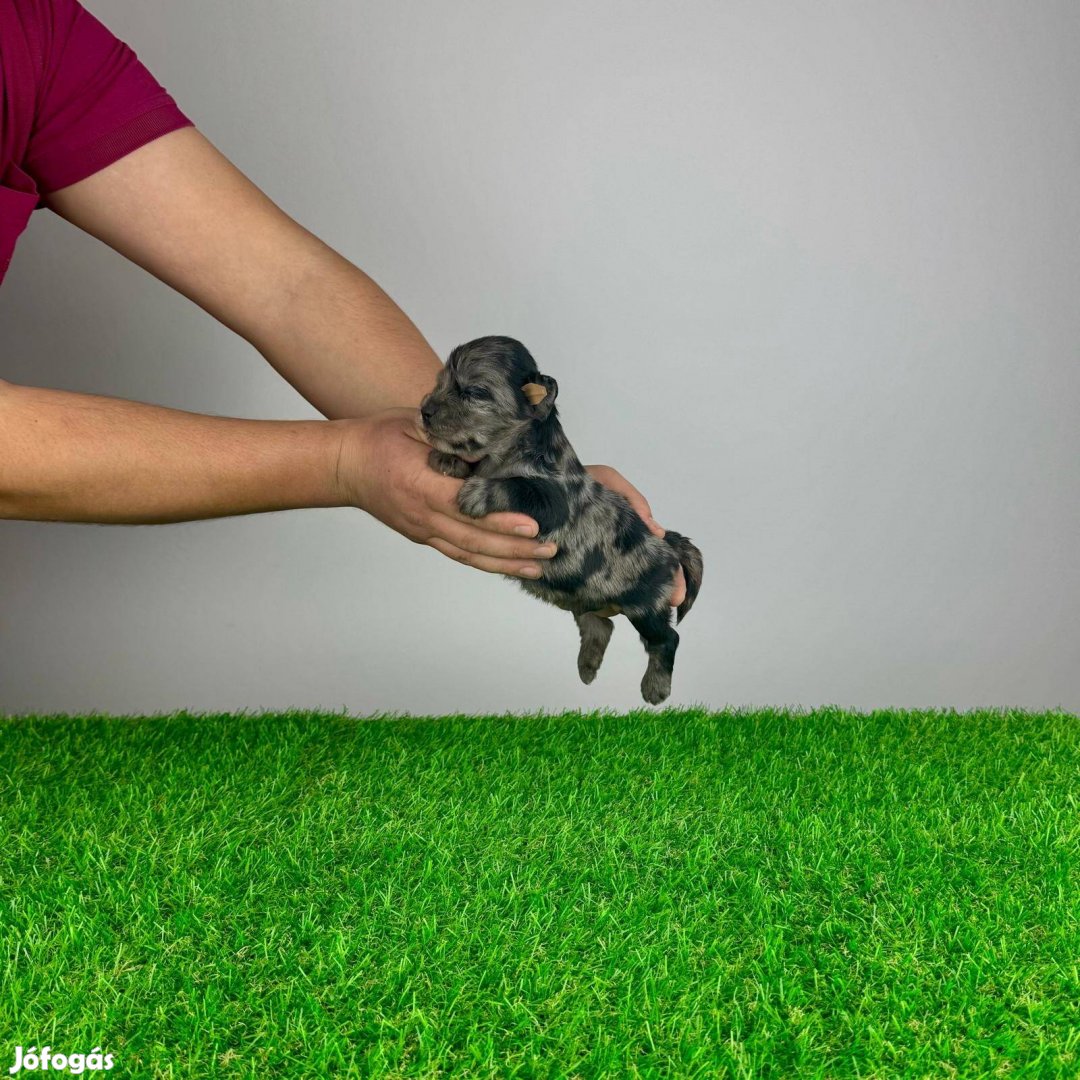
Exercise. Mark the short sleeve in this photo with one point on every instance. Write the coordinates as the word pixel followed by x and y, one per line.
pixel 96 101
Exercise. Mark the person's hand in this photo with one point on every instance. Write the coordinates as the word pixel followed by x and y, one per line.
pixel 383 468
pixel 613 479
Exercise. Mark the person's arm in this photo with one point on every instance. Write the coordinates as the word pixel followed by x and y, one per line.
pixel 181 210
pixel 84 458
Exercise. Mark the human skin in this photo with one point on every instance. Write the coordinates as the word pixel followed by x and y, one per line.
pixel 178 208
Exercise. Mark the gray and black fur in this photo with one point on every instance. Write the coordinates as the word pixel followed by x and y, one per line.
pixel 513 455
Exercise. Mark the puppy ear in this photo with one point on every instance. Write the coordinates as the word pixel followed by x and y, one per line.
pixel 552 388
pixel 541 394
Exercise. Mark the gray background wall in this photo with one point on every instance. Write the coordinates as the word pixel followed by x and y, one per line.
pixel 806 273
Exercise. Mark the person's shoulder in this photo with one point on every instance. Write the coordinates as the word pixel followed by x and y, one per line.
pixel 40 24
pixel 43 15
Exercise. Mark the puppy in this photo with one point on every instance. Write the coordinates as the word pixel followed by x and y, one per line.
pixel 492 422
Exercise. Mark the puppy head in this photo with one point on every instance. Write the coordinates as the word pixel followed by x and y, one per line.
pixel 488 392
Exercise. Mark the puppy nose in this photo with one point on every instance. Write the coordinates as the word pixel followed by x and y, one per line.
pixel 427 410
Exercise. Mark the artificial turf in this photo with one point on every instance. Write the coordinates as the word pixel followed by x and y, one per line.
pixel 673 893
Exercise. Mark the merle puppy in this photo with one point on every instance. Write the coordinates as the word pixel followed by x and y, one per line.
pixel 492 422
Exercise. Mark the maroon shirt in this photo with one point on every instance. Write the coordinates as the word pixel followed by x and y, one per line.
pixel 73 99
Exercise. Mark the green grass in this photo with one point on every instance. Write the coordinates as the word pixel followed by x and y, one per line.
pixel 687 894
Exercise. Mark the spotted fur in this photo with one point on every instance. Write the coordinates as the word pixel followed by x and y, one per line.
pixel 513 455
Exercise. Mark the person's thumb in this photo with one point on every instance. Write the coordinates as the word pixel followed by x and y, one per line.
pixel 408 422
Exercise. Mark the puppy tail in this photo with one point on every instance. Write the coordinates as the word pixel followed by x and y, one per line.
pixel 690 559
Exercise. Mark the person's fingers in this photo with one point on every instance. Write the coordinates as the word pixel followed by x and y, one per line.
pixel 613 479
pixel 442 498
pixel 411 424
pixel 678 593
pixel 441 494
pixel 505 522
pixel 468 536
pixel 510 567
pixel 486 543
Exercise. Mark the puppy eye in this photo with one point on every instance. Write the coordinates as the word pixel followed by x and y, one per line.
pixel 476 393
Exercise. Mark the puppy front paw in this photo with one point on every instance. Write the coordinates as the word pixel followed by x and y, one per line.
pixel 449 465
pixel 474 498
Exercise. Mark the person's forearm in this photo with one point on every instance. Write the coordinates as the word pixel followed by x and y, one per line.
pixel 180 209
pixel 343 342
pixel 79 457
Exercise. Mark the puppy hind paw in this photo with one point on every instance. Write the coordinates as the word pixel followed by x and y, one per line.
pixel 587 671
pixel 655 687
